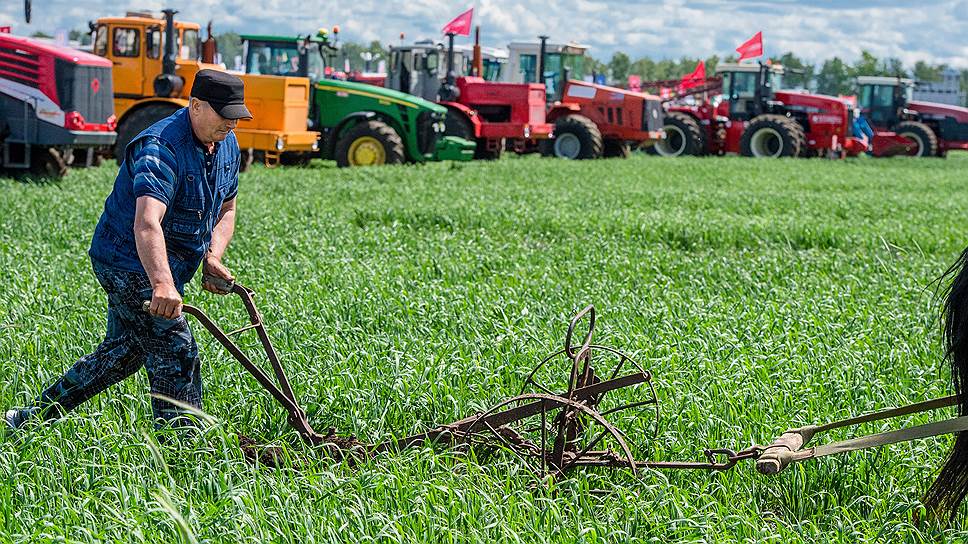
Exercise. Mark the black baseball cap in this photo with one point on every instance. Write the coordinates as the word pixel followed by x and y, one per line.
pixel 225 93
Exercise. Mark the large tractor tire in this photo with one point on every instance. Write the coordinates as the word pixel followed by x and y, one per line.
pixel 684 136
pixel 576 138
pixel 772 136
pixel 133 124
pixel 369 143
pixel 925 139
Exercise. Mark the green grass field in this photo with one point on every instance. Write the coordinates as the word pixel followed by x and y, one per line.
pixel 762 294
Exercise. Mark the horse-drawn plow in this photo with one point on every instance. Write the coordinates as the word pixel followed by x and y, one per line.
pixel 586 405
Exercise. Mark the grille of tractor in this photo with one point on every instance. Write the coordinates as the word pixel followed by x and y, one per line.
pixel 85 89
pixel 20 66
pixel 652 116
pixel 426 136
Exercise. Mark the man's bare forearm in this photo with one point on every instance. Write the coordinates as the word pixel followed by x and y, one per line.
pixel 150 240
pixel 223 231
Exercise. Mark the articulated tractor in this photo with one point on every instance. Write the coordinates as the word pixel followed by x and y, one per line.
pixel 756 118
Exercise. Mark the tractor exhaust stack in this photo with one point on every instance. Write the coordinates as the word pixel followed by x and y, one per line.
pixel 167 83
pixel 448 91
pixel 477 65
pixel 541 59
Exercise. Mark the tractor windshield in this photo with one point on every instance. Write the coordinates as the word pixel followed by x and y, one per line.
pixel 740 84
pixel 555 65
pixel 492 70
pixel 273 59
pixel 776 80
pixel 189 48
pixel 316 68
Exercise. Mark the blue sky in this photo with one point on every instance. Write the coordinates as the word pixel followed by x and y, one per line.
pixel 935 31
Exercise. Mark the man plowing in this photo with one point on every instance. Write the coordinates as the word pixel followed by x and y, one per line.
pixel 171 209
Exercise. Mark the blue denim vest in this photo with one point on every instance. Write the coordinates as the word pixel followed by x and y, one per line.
pixel 191 214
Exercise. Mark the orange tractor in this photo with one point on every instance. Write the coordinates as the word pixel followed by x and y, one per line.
pixel 155 62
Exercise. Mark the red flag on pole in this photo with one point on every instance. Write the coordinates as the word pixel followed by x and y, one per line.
pixel 461 25
pixel 752 47
pixel 696 78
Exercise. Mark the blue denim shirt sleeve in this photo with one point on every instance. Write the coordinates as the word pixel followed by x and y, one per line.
pixel 153 169
pixel 233 189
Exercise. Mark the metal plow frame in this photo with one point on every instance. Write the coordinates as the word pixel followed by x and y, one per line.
pixel 555 432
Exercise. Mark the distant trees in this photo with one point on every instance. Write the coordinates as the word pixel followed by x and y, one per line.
pixel 619 66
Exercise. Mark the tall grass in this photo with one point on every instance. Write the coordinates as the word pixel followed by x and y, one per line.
pixel 762 294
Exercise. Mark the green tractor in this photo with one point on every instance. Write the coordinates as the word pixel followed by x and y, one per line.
pixel 361 124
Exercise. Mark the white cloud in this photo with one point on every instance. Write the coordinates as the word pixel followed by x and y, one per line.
pixel 933 31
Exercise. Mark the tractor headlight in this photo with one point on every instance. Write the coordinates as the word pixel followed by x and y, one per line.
pixel 315 145
pixel 280 144
pixel 527 131
pixel 439 126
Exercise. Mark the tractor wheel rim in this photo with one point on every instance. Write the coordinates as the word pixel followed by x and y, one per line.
pixel 567 146
pixel 916 138
pixel 367 151
pixel 766 142
pixel 674 144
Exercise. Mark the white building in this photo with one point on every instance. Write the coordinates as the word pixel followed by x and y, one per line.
pixel 946 91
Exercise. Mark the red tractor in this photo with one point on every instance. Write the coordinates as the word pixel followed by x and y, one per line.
pixel 591 121
pixel 756 119
pixel 57 106
pixel 495 115
pixel 931 129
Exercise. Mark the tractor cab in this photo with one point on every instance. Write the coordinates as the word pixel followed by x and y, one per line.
pixel 883 99
pixel 749 88
pixel 136 45
pixel 561 63
pixel 302 56
pixel 420 68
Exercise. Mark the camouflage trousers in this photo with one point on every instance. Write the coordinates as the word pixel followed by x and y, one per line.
pixel 134 339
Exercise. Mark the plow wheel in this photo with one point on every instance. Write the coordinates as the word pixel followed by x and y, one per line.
pixel 560 375
pixel 561 434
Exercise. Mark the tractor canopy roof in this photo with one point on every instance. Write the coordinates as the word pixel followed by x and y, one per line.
pixel 378 93
pixel 746 67
pixel 884 80
pixel 491 53
pixel 570 48
pixel 421 45
pixel 146 19
pixel 281 39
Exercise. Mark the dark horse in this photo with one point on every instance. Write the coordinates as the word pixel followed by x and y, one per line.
pixel 949 489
